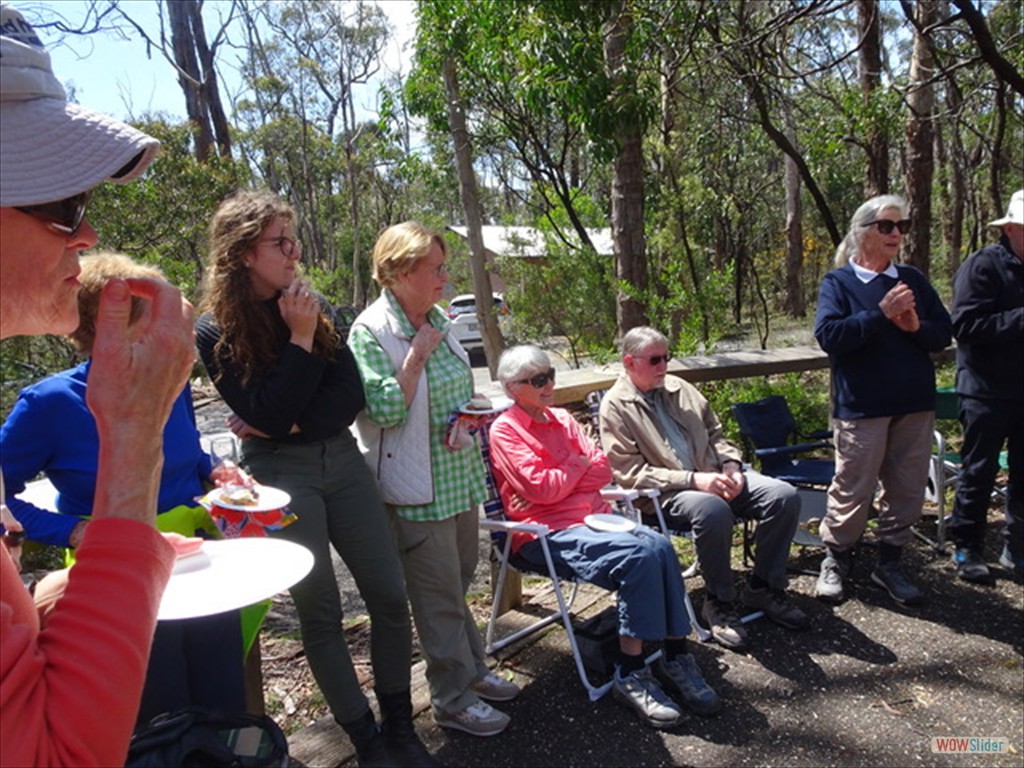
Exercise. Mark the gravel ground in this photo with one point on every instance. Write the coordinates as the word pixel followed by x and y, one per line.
pixel 869 685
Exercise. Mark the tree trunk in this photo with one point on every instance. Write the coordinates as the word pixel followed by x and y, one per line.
pixel 209 89
pixel 794 303
pixel 627 169
pixel 189 77
pixel 489 331
pixel 920 137
pixel 876 180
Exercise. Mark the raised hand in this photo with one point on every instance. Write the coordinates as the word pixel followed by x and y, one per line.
pixel 300 310
pixel 138 370
pixel 899 306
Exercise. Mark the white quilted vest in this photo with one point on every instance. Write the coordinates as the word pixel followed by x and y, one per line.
pixel 400 456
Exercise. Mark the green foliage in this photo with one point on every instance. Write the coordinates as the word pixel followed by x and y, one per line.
pixel 570 295
pixel 26 359
pixel 162 219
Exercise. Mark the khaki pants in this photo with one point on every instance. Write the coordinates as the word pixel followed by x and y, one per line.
pixel 440 558
pixel 888 451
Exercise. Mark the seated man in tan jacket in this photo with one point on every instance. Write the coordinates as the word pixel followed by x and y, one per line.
pixel 660 432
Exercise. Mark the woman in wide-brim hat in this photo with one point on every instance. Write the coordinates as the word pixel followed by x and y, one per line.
pixel 69 690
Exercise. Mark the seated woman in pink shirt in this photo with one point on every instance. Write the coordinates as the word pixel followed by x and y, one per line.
pixel 549 472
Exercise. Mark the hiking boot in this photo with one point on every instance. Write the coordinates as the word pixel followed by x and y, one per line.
pixel 830 580
pixel 494 688
pixel 1015 565
pixel 366 737
pixel 642 693
pixel 776 606
pixel 480 719
pixel 682 676
pixel 725 626
pixel 970 566
pixel 403 745
pixel 889 575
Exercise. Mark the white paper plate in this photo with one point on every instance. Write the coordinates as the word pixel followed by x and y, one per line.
pixel 268 499
pixel 231 573
pixel 609 523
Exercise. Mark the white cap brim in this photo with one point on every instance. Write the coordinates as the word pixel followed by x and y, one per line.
pixel 1014 211
pixel 51 149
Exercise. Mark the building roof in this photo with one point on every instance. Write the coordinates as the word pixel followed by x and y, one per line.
pixel 528 242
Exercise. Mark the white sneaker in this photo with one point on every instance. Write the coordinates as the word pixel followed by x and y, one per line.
pixel 642 693
pixel 494 688
pixel 480 719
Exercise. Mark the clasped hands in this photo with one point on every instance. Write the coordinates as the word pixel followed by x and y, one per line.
pixel 900 307
pixel 727 484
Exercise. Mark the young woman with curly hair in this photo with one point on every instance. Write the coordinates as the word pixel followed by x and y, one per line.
pixel 271 348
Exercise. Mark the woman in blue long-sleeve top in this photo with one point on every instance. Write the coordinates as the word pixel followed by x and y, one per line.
pixel 878 321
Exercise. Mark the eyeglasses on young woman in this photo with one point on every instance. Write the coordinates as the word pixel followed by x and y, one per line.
pixel 287 245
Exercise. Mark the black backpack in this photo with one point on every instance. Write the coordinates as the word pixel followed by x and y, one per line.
pixel 199 738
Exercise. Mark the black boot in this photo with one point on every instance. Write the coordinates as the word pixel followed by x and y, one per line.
pixel 368 740
pixel 403 745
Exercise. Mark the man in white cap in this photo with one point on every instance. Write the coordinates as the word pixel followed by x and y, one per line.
pixel 70 687
pixel 988 323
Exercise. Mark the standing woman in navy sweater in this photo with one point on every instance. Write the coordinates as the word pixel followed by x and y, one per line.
pixel 878 322
pixel 274 354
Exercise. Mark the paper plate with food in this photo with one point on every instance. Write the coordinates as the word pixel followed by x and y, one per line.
pixel 249 511
pixel 249 498
pixel 481 405
pixel 223 575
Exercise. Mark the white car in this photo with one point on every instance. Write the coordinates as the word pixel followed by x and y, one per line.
pixel 465 325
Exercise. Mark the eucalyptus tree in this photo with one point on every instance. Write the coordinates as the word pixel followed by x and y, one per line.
pixel 550 81
pixel 305 71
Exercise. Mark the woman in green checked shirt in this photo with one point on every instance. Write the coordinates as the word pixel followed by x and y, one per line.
pixel 414 375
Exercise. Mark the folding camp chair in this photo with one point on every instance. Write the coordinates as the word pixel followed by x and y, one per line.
pixel 769 434
pixel 501 529
pixel 944 468
pixel 768 430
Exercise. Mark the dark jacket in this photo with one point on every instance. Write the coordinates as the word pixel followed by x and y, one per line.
pixel 877 369
pixel 988 322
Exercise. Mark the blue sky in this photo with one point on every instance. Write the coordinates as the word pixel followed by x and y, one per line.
pixel 112 73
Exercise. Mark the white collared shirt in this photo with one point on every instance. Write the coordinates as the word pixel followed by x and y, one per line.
pixel 866 275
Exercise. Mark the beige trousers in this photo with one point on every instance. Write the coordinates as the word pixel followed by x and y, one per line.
pixel 889 454
pixel 439 559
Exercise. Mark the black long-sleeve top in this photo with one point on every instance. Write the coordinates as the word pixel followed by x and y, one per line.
pixel 321 396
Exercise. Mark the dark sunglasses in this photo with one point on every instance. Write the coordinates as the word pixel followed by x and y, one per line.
pixel 655 359
pixel 886 226
pixel 540 380
pixel 63 216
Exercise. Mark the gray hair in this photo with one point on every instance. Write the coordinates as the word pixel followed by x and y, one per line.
pixel 868 212
pixel 518 362
pixel 640 338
